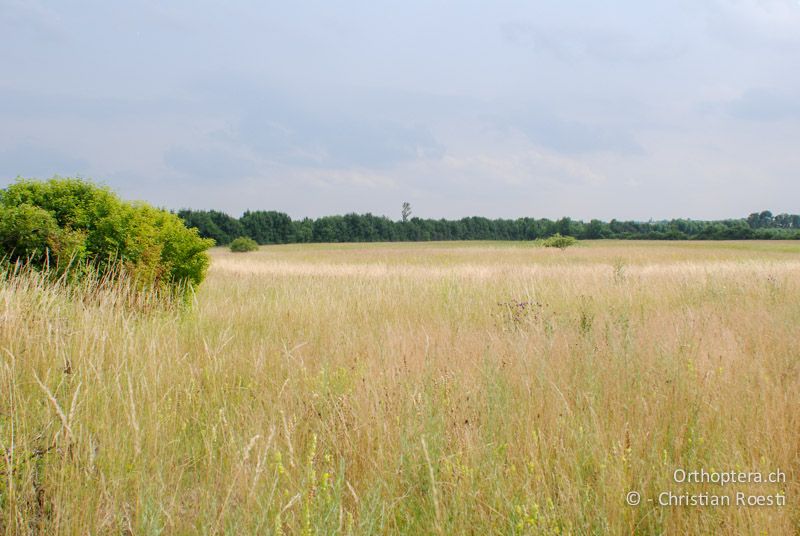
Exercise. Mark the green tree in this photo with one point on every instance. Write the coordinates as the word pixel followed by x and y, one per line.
pixel 405 212
pixel 213 224
pixel 596 229
pixel 267 227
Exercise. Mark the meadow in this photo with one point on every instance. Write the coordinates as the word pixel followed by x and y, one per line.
pixel 437 388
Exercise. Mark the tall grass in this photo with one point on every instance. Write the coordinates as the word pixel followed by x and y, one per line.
pixel 382 389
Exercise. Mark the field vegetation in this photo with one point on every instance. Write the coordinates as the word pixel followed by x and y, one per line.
pixel 439 388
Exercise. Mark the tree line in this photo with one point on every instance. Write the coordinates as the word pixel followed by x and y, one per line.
pixel 271 227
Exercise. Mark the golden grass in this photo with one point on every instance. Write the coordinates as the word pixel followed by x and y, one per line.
pixel 401 388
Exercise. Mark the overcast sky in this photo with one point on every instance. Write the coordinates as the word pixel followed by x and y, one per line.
pixel 588 109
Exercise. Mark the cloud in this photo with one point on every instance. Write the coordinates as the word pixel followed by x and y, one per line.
pixel 337 140
pixel 765 104
pixel 332 130
pixel 532 168
pixel 745 23
pixel 574 44
pixel 30 16
pixel 344 178
pixel 48 105
pixel 34 161
pixel 569 136
pixel 210 163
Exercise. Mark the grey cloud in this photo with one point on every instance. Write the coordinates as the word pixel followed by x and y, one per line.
pixel 30 104
pixel 365 129
pixel 33 161
pixel 332 131
pixel 337 141
pixel 30 16
pixel 573 137
pixel 209 163
pixel 754 24
pixel 587 44
pixel 765 105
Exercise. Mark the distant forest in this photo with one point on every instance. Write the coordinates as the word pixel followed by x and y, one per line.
pixel 270 227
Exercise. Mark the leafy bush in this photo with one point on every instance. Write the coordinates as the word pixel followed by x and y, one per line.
pixel 71 225
pixel 244 244
pixel 27 230
pixel 560 242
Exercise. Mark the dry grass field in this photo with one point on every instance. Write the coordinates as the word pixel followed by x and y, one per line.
pixel 442 388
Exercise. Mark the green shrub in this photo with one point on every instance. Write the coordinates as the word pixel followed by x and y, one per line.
pixel 27 231
pixel 74 225
pixel 244 244
pixel 560 242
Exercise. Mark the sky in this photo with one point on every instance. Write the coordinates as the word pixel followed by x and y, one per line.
pixel 621 109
